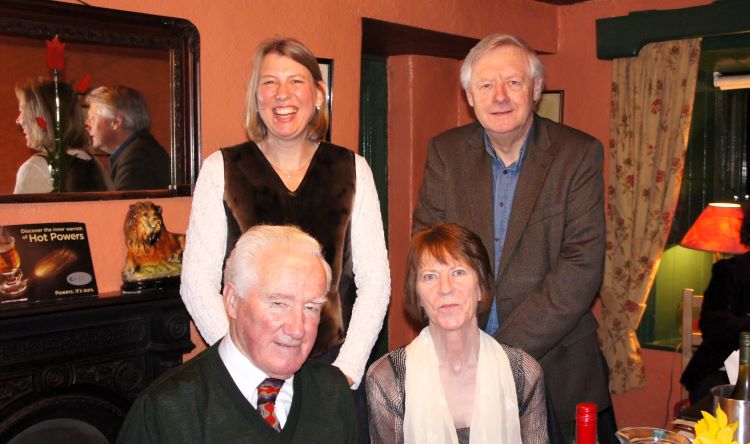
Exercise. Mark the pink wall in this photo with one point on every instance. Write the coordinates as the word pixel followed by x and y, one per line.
pixel 423 101
pixel 231 29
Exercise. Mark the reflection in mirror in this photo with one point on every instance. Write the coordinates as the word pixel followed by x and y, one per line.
pixel 155 56
pixel 119 124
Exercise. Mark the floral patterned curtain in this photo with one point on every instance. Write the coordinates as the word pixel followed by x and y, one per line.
pixel 652 101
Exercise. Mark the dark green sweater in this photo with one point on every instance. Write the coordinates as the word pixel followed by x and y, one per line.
pixel 199 402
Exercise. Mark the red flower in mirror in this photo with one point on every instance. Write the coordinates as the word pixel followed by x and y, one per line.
pixel 55 54
pixel 82 86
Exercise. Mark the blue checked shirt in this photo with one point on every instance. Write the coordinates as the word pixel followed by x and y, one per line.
pixel 504 181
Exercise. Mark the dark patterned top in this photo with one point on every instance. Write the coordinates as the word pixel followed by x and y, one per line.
pixel 386 398
pixel 463 435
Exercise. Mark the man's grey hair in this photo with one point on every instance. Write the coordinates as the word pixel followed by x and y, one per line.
pixel 123 100
pixel 242 267
pixel 494 41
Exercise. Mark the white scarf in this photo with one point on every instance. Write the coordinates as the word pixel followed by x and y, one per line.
pixel 427 418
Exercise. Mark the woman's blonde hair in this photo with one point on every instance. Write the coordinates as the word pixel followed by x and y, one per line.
pixel 36 97
pixel 295 50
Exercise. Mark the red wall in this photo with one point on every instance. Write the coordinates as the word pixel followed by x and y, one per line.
pixel 423 100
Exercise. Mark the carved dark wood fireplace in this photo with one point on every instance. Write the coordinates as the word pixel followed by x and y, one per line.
pixel 69 370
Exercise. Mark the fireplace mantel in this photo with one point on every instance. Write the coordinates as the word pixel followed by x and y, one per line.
pixel 71 365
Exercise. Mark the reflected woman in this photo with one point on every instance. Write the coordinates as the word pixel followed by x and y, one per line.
pixel 35 99
pixel 288 174
pixel 454 383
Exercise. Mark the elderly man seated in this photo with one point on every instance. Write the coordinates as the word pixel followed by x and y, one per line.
pixel 254 385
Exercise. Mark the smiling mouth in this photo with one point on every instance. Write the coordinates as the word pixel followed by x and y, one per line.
pixel 502 112
pixel 287 345
pixel 284 111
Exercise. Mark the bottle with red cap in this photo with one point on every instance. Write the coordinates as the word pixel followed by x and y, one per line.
pixel 586 423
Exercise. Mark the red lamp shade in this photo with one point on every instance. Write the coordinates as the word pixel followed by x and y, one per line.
pixel 717 230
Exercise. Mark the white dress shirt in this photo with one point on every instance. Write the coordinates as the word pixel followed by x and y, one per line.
pixel 248 377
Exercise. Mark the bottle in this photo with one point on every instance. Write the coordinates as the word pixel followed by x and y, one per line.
pixel 586 423
pixel 742 387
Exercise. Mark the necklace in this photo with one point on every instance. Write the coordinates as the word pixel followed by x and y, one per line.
pixel 289 173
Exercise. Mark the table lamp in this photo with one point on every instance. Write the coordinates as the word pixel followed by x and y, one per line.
pixel 717 230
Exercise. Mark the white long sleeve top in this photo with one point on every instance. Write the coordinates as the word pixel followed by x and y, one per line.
pixel 205 250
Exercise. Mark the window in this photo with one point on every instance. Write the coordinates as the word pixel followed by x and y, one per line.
pixel 716 167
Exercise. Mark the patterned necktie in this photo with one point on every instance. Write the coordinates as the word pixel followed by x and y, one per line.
pixel 267 392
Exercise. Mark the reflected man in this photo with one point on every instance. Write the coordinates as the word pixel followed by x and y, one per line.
pixel 254 384
pixel 118 123
pixel 533 191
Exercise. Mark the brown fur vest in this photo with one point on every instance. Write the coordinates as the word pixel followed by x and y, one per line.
pixel 322 206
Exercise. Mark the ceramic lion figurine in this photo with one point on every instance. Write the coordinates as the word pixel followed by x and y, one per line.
pixel 153 252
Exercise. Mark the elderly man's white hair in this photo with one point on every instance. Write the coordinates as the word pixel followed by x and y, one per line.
pixel 494 41
pixel 123 100
pixel 241 269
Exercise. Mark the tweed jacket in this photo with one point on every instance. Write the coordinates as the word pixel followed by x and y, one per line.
pixel 142 165
pixel 552 261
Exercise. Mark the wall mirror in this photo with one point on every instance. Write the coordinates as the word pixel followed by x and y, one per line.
pixel 158 56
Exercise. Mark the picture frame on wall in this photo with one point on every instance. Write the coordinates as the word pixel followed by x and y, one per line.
pixel 551 105
pixel 326 69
